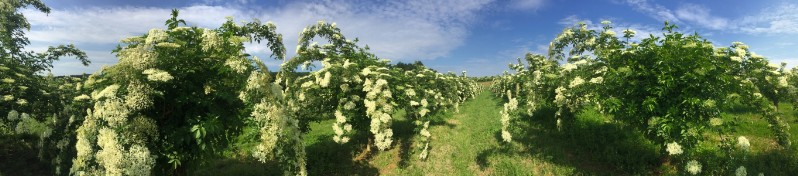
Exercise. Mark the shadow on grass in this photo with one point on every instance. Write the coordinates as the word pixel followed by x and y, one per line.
pixel 326 157
pixel 18 157
pixel 588 144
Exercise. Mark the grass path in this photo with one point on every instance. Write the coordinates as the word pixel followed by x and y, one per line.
pixel 468 143
pixel 465 143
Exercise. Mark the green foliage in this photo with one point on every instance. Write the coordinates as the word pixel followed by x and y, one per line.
pixel 667 87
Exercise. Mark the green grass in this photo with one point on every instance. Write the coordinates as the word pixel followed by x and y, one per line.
pixel 469 143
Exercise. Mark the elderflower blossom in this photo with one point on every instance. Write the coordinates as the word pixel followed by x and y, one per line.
pixel 743 143
pixel 597 80
pixel 783 81
pixel 138 96
pixel 210 40
pixel 506 136
pixel 22 102
pixel 326 81
pixel 349 105
pixel 237 65
pixel 568 67
pixel 157 75
pixel 693 167
pixel 774 65
pixel 736 59
pixel 8 80
pixel 307 84
pixel 715 121
pixel 410 92
pixel 82 97
pixel 740 52
pixel 609 32
pixel 629 32
pixel 108 92
pixel 340 117
pixel 8 97
pixel 423 112
pixel 674 148
pixel 155 35
pixel 741 171
pixel 559 98
pixel 366 72
pixel 413 103
pixel 168 45
pixel 139 161
pixel 576 82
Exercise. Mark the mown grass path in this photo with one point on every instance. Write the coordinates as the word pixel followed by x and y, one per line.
pixel 466 143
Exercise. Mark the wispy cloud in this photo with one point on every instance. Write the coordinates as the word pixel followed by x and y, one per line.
pixel 701 16
pixel 655 11
pixel 397 30
pixel 779 19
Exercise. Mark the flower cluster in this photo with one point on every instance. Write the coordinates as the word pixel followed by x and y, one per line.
pixel 157 75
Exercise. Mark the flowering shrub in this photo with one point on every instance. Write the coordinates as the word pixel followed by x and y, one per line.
pixel 670 88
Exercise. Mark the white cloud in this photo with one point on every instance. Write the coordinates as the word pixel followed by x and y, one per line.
pixel 397 30
pixel 700 15
pixel 656 11
pixel 780 19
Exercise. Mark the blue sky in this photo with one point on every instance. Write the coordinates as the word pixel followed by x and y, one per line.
pixel 480 36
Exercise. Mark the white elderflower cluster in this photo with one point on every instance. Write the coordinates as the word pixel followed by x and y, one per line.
pixel 237 65
pixel 110 156
pixel 629 32
pixel 108 92
pixel 737 58
pixel 22 102
pixel 740 51
pixel 340 127
pixel 269 130
pixel 139 57
pixel 210 40
pixel 12 115
pixel 568 67
pixel 693 167
pixel 741 171
pixel 167 45
pixel 155 36
pixel 774 65
pixel 410 92
pixel 157 75
pixel 783 81
pixel 576 82
pixel 674 148
pixel 139 161
pixel 506 113
pixel 378 108
pixel 609 32
pixel 324 82
pixel 138 96
pixel 82 97
pixel 8 97
pixel 8 80
pixel 559 98
pixel 597 80
pixel 743 143
pixel 113 111
pixel 715 121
